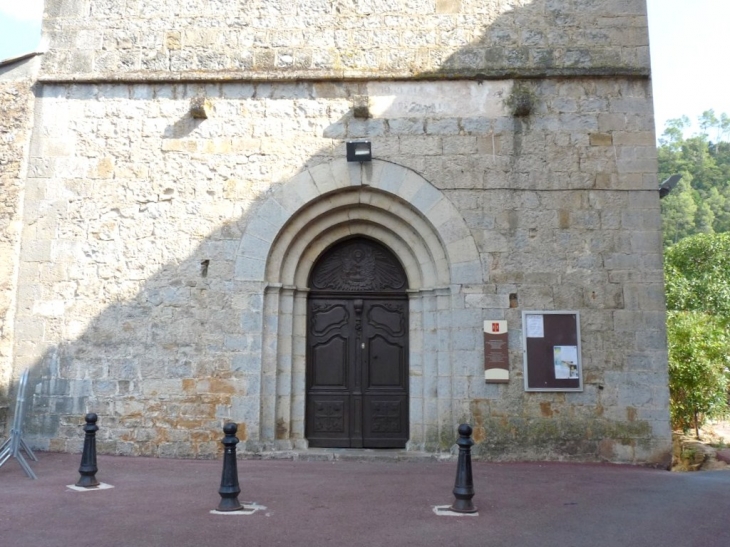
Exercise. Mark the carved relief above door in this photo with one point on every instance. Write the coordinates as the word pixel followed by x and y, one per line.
pixel 357 349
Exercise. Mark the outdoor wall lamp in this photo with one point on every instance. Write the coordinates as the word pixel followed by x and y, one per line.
pixel 359 151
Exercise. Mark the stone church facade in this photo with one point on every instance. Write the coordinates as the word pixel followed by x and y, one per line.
pixel 186 242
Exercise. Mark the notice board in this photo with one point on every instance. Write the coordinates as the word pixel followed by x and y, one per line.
pixel 551 341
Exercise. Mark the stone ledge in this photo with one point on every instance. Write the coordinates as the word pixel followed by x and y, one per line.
pixel 165 77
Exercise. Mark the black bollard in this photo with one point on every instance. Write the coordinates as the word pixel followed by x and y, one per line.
pixel 229 489
pixel 464 484
pixel 88 467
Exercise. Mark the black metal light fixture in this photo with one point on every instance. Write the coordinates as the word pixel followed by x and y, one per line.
pixel 668 185
pixel 359 151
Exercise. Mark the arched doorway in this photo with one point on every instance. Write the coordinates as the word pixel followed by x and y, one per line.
pixel 292 228
pixel 357 348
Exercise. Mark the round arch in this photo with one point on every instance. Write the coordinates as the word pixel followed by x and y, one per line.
pixel 312 211
pixel 394 197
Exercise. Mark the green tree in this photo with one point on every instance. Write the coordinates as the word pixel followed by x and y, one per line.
pixel 704 218
pixel 678 213
pixel 698 361
pixel 718 200
pixel 703 160
pixel 697 275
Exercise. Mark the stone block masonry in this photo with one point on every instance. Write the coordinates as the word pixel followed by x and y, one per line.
pixel 16 121
pixel 124 318
pixel 333 39
pixel 186 168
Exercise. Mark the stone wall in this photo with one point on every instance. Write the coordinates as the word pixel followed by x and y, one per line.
pixel 375 39
pixel 166 246
pixel 141 305
pixel 16 120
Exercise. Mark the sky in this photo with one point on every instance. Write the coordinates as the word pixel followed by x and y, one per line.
pixel 690 58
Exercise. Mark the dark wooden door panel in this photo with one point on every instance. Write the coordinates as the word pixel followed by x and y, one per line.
pixel 385 397
pixel 385 365
pixel 357 372
pixel 387 316
pixel 357 349
pixel 385 421
pixel 327 316
pixel 330 346
pixel 330 356
pixel 329 363
pixel 328 420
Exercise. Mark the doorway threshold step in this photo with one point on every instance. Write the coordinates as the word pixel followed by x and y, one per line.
pixel 350 455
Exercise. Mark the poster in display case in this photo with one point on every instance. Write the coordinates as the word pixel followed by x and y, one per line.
pixel 551 342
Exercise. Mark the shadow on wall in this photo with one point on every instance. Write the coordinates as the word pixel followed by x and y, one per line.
pixel 157 389
pixel 181 351
pixel 545 38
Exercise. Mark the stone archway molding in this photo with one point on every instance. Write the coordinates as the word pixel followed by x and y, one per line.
pixel 395 198
pixel 295 224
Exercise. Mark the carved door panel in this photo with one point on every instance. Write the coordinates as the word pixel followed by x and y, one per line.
pixel 357 349
pixel 357 373
pixel 330 372
pixel 385 374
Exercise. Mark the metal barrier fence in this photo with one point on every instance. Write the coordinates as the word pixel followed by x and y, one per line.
pixel 12 445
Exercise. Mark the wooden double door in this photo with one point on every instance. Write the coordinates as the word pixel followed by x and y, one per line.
pixel 357 352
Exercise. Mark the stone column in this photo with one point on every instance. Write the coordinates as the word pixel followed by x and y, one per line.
pixel 272 295
pixel 299 369
pixel 284 368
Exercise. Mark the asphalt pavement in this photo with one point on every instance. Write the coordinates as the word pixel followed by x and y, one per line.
pixel 168 503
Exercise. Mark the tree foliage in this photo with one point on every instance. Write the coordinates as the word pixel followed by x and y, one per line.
pixel 697 276
pixel 701 202
pixel 698 364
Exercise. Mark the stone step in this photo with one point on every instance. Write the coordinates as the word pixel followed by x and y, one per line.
pixel 350 454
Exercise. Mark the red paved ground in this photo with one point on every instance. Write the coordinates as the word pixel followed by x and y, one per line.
pixel 161 502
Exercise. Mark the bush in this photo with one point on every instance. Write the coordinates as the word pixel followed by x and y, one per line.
pixel 697 274
pixel 699 357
